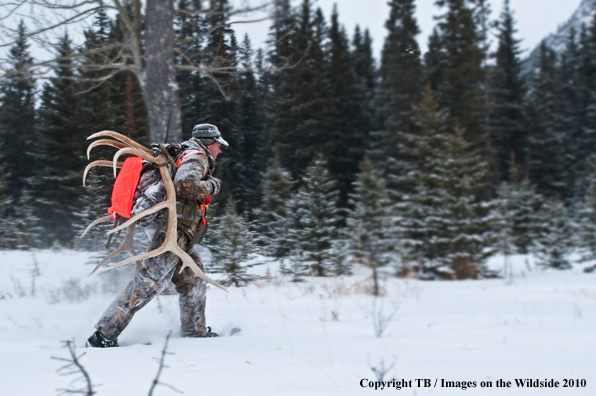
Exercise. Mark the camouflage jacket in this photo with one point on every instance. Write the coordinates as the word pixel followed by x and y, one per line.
pixel 194 182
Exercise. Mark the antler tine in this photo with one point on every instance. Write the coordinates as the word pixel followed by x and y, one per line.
pixel 170 243
pixel 138 153
pixel 105 142
pixel 122 138
pixel 99 163
pixel 96 222
pixel 126 245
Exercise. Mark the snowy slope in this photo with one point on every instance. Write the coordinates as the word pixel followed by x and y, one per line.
pixel 539 326
pixel 558 40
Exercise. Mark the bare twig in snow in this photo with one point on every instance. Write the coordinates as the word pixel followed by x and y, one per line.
pixel 74 366
pixel 381 371
pixel 164 352
pixel 382 317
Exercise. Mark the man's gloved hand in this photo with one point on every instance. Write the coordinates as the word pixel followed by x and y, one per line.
pixel 215 184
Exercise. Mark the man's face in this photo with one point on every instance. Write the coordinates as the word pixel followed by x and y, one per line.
pixel 214 149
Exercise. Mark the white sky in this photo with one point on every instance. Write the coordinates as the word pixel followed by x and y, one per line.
pixel 536 19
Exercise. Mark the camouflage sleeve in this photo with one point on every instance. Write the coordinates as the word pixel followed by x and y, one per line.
pixel 192 180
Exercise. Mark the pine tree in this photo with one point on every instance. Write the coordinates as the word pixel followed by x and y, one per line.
pixel 366 73
pixel 251 125
pixel 314 220
pixel 555 239
pixel 272 216
pixel 300 114
pixel 586 218
pixel 548 145
pixel 444 222
pixel 60 152
pixel 509 134
pixel 456 67
pixel 519 210
pixel 221 102
pixel 17 117
pixel 401 76
pixel 190 33
pixel 348 125
pixel 232 243
pixel 7 221
pixel 370 223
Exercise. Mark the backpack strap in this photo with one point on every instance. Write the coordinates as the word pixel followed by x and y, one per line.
pixel 188 154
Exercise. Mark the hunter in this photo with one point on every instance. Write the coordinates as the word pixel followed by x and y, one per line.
pixel 195 185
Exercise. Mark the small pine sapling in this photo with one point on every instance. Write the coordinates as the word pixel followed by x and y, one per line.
pixel 554 243
pixel 370 223
pixel 232 243
pixel 314 220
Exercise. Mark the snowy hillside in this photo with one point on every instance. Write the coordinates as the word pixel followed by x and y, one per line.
pixel 316 337
pixel 557 41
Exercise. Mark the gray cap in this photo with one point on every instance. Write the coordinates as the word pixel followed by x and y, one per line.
pixel 208 131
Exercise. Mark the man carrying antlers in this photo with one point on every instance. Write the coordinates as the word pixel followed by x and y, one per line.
pixel 194 184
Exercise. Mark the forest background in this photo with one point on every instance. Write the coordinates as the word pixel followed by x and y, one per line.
pixel 423 163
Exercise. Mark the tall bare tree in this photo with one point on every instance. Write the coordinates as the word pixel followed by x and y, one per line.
pixel 147 47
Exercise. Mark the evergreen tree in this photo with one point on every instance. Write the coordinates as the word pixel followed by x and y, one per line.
pixel 27 223
pixel 232 243
pixel 60 152
pixel 509 134
pixel 586 218
pixel 366 73
pixel 93 206
pixel 190 33
pixel 370 223
pixel 7 221
pixel 221 101
pixel 555 239
pixel 272 216
pixel 548 144
pixel 443 221
pixel 455 67
pixel 401 76
pixel 251 125
pixel 301 115
pixel 314 219
pixel 519 210
pixel 17 117
pixel 348 125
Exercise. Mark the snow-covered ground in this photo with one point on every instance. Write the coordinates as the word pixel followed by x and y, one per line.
pixel 315 337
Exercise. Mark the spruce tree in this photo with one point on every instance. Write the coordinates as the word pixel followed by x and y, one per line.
pixel 509 133
pixel 301 112
pixel 274 211
pixel 401 76
pixel 348 125
pixel 7 221
pixel 233 243
pixel 190 33
pixel 366 73
pixel 221 102
pixel 446 227
pixel 549 167
pixel 17 117
pixel 61 150
pixel 519 206
pixel 250 122
pixel 456 67
pixel 374 242
pixel 555 242
pixel 314 220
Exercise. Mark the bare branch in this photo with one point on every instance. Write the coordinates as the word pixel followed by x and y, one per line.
pixel 156 382
pixel 75 365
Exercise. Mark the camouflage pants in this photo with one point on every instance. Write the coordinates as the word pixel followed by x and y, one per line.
pixel 153 276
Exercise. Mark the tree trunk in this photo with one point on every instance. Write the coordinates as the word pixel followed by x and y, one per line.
pixel 160 89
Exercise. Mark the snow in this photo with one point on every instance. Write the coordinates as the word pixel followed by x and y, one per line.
pixel 538 326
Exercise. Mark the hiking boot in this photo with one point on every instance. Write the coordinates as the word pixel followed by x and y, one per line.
pixel 209 333
pixel 98 340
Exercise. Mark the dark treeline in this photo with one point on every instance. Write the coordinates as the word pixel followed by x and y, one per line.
pixel 434 161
